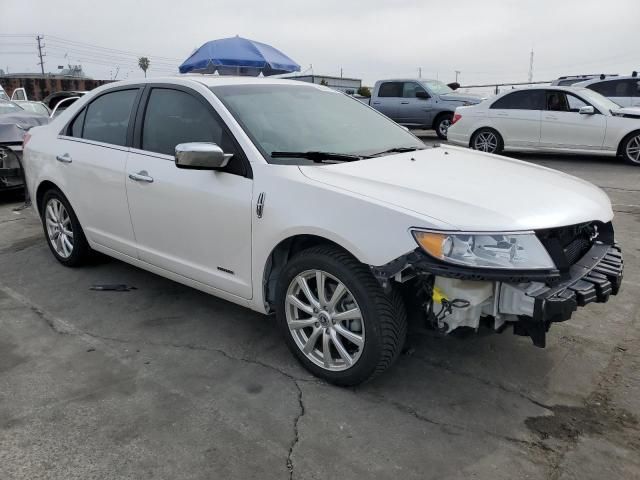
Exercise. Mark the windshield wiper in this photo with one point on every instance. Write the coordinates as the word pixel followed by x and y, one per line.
pixel 318 156
pixel 396 150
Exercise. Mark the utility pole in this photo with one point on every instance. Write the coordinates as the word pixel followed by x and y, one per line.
pixel 419 72
pixel 40 54
pixel 531 67
pixel 457 73
pixel 340 72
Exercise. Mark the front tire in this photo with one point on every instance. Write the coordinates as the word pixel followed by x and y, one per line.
pixel 335 317
pixel 62 230
pixel 487 140
pixel 630 149
pixel 442 125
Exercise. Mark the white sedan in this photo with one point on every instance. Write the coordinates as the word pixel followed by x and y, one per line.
pixel 296 199
pixel 549 119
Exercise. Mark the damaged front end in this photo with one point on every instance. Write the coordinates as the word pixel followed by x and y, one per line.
pixel 11 175
pixel 586 267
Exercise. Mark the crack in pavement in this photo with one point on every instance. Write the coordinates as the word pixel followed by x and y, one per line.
pixel 62 327
pixel 445 366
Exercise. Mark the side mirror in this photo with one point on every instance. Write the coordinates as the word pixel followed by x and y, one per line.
pixel 421 94
pixel 588 110
pixel 201 156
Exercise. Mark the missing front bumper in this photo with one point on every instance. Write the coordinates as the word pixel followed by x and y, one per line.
pixel 593 278
pixel 530 301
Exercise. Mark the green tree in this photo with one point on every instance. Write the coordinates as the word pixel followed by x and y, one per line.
pixel 364 91
pixel 143 63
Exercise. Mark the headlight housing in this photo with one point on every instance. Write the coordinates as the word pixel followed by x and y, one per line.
pixel 520 250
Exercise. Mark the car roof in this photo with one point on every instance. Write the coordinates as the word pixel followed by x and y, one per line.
pixel 211 80
pixel 608 79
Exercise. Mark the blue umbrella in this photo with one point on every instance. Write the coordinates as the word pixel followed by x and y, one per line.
pixel 238 56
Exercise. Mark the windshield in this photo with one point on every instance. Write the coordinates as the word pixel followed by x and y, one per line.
pixel 35 107
pixel 302 118
pixel 599 101
pixel 437 87
pixel 9 107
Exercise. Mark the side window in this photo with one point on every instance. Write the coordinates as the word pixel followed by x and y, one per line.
pixel 575 103
pixel 613 88
pixel 174 117
pixel 521 100
pixel 75 129
pixel 557 101
pixel 107 117
pixel 391 89
pixel 410 89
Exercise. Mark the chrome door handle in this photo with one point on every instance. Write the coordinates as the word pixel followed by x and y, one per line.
pixel 404 103
pixel 66 158
pixel 375 103
pixel 141 176
pixel 502 114
pixel 549 117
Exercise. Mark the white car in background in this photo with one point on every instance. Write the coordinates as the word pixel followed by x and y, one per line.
pixel 625 91
pixel 549 119
pixel 293 198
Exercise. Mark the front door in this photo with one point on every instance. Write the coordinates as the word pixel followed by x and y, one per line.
pixel 416 106
pixel 195 223
pixel 563 127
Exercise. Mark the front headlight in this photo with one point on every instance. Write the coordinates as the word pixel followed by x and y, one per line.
pixel 522 251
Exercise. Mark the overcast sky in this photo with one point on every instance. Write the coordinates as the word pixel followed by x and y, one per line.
pixel 487 40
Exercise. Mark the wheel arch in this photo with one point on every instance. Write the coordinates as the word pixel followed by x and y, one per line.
pixel 485 127
pixel 439 115
pixel 281 254
pixel 43 187
pixel 624 139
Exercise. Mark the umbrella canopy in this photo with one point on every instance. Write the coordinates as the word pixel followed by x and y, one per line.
pixel 238 56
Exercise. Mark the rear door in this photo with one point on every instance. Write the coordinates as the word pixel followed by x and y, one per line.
pixel 195 223
pixel 517 117
pixel 563 127
pixel 92 151
pixel 388 99
pixel 413 110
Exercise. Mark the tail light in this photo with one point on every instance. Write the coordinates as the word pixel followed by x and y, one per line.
pixel 25 139
pixel 456 117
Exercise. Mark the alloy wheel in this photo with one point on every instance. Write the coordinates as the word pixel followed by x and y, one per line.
pixel 325 320
pixel 486 142
pixel 633 149
pixel 59 228
pixel 443 127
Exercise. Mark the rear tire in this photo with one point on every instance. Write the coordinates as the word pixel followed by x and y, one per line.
pixel 442 124
pixel 487 140
pixel 630 149
pixel 62 230
pixel 362 331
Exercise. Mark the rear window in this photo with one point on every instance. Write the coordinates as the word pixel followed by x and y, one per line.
pixel 107 117
pixel 521 100
pixel 391 89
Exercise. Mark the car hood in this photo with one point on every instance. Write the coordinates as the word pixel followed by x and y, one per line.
pixel 462 97
pixel 14 125
pixel 629 112
pixel 470 190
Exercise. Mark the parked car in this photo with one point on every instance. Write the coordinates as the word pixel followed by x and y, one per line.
pixel 557 119
pixel 33 107
pixel 625 91
pixel 3 94
pixel 57 102
pixel 426 104
pixel 568 80
pixel 14 122
pixel 293 198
